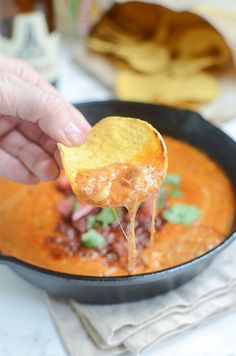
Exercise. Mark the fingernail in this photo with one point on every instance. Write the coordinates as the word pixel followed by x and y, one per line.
pixel 74 134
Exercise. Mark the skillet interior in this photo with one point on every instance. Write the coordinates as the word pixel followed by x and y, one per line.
pixel 181 124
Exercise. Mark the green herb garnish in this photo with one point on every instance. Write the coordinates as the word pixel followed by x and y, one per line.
pixel 181 214
pixel 106 217
pixel 76 206
pixel 93 239
pixel 175 193
pixel 172 178
pixel 91 221
pixel 170 187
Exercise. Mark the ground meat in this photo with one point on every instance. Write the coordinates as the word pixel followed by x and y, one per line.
pixel 67 239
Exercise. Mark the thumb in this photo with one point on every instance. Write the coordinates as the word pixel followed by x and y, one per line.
pixel 52 114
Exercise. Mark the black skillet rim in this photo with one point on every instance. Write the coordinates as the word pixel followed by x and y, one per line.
pixel 137 277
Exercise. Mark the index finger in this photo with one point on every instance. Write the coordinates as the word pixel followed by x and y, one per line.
pixel 30 76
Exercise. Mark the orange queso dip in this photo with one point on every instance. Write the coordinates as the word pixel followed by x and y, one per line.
pixel 44 224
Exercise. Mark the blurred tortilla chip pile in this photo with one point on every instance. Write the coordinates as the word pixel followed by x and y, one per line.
pixel 161 56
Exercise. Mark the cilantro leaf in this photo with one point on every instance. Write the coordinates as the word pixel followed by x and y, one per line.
pixel 181 214
pixel 91 220
pixel 172 178
pixel 76 206
pixel 106 217
pixel 175 193
pixel 169 188
pixel 93 239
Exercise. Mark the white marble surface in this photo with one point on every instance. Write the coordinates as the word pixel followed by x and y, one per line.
pixel 25 325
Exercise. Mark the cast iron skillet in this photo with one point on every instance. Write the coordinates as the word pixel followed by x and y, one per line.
pixel 182 124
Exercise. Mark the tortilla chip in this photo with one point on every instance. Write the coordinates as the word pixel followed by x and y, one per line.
pixel 199 87
pixel 162 57
pixel 131 85
pixel 166 88
pixel 147 57
pixel 202 41
pixel 113 140
pixel 143 56
pixel 183 66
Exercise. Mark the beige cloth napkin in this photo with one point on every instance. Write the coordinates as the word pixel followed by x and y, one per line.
pixel 138 326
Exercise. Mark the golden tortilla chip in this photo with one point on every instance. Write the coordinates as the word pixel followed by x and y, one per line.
pixel 122 160
pixel 166 88
pixel 198 87
pixel 202 41
pixel 164 60
pixel 134 86
pixel 183 66
pixel 147 57
pixel 110 31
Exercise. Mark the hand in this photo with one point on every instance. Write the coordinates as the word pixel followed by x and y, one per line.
pixel 33 118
